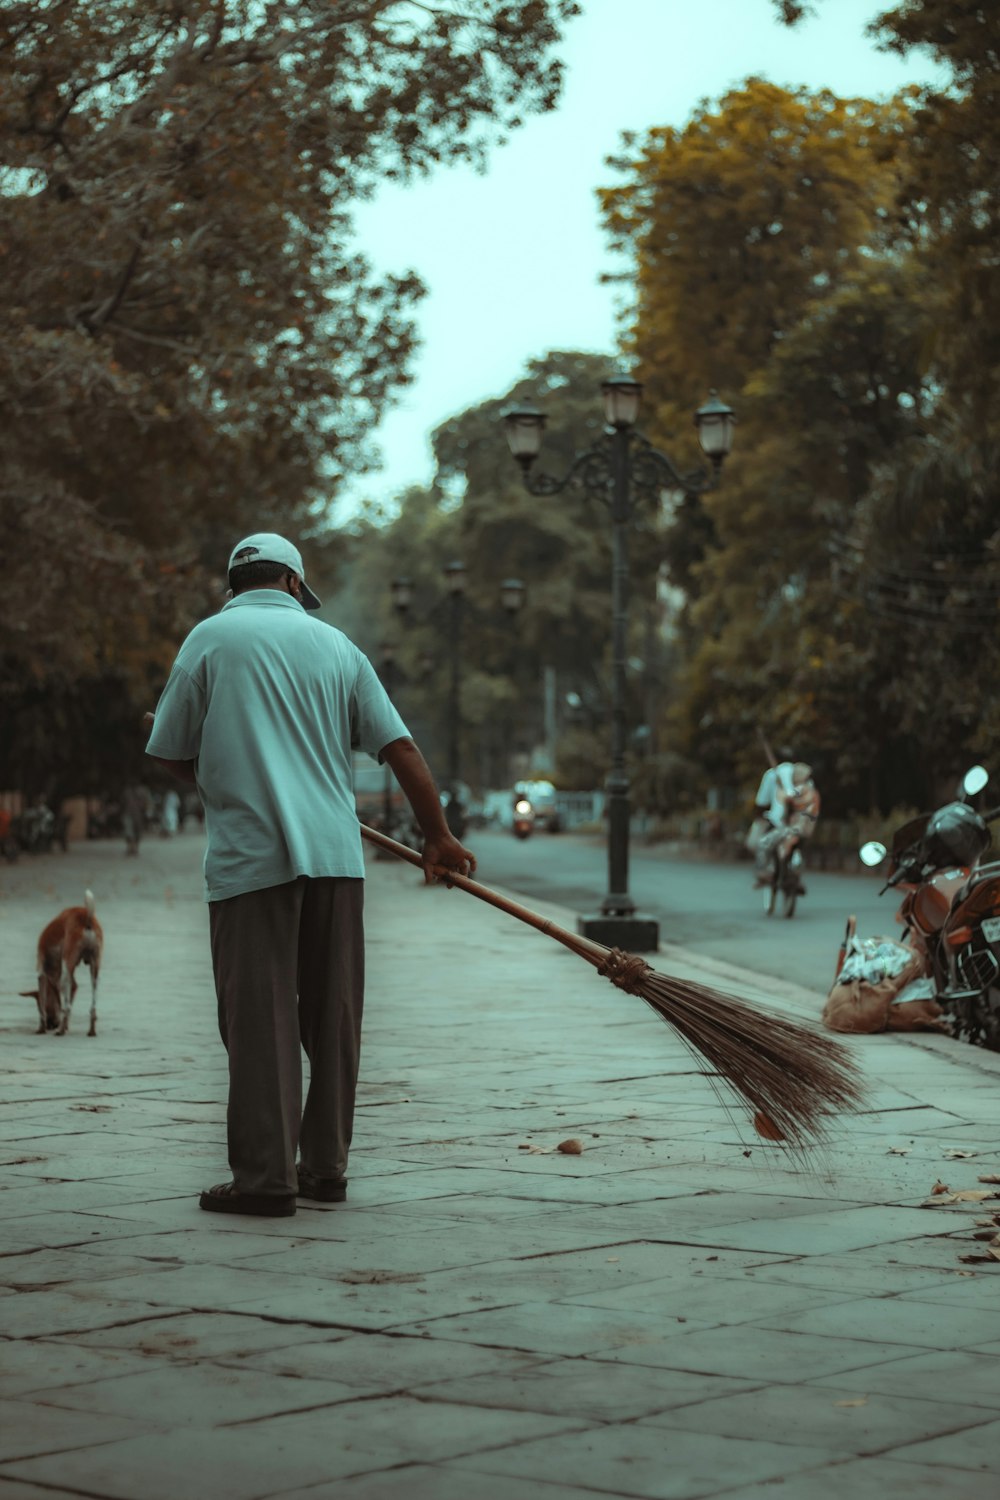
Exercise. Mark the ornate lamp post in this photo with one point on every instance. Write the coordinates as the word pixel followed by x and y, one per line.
pixel 625 471
pixel 512 593
pixel 402 594
pixel 454 582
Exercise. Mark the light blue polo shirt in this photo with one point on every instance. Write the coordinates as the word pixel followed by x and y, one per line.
pixel 268 702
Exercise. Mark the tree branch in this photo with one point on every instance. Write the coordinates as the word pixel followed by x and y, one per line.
pixel 111 305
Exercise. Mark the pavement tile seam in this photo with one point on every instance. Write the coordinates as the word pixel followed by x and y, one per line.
pixel 606 1356
pixel 427 1393
pixel 802 1476
pixel 705 1489
pixel 149 1314
pixel 516 1442
pixel 189 1356
pixel 367 1473
pixel 892 1450
pixel 904 1453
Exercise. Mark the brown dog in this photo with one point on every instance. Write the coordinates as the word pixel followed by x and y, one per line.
pixel 72 938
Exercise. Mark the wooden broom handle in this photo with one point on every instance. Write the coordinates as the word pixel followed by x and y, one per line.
pixel 585 947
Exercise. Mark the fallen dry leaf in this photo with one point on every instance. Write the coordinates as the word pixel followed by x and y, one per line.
pixel 857 1401
pixel 572 1147
pixel 898 1151
pixel 766 1128
pixel 940 1187
pixel 953 1154
pixel 975 1260
pixel 989 1177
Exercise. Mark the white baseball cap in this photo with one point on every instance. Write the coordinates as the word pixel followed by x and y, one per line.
pixel 267 546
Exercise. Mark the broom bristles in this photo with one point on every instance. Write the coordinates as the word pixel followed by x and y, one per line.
pixel 793 1076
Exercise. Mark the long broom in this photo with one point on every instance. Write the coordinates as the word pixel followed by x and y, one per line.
pixel 793 1077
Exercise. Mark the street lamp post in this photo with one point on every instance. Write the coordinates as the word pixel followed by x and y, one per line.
pixel 624 470
pixel 512 592
pixel 512 596
pixel 454 579
pixel 402 594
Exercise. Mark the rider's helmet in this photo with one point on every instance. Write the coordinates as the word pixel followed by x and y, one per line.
pixel 956 835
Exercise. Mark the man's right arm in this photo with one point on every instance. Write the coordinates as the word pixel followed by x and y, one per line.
pixel 183 770
pixel 442 851
pixel 175 728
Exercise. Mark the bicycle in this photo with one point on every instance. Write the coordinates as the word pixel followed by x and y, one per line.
pixel 784 877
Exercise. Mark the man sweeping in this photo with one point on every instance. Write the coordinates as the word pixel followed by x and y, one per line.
pixel 262 709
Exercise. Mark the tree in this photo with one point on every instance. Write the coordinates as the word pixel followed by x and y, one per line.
pixel 829 331
pixel 479 511
pixel 736 222
pixel 783 635
pixel 191 345
pixel 951 191
pixel 924 554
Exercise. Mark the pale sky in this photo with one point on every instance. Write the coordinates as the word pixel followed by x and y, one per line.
pixel 512 259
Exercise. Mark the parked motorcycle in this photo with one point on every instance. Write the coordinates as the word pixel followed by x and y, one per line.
pixel 524 818
pixel 950 912
pixel 972 947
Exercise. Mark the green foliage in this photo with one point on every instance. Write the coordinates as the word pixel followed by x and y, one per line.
pixel 950 193
pixel 191 346
pixel 736 222
pixel 836 579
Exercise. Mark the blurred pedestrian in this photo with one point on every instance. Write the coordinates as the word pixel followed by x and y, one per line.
pixel 261 710
pixel 133 817
pixel 170 814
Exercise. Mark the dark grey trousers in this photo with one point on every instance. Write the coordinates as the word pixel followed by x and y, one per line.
pixel 289 967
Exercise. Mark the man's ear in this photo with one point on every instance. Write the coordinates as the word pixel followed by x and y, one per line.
pixel 295 586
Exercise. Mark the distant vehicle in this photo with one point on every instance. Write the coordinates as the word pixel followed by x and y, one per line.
pixel 542 796
pixel 524 818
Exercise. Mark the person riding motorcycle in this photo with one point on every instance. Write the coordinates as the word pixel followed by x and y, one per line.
pixel 787 801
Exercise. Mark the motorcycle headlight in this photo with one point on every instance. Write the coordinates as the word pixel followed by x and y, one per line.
pixel 522 807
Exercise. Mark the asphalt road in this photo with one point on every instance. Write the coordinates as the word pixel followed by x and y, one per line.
pixel 710 907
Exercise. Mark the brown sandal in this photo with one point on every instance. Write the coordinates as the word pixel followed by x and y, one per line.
pixel 224 1198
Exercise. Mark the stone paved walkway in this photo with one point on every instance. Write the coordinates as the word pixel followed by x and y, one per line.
pixel 679 1311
